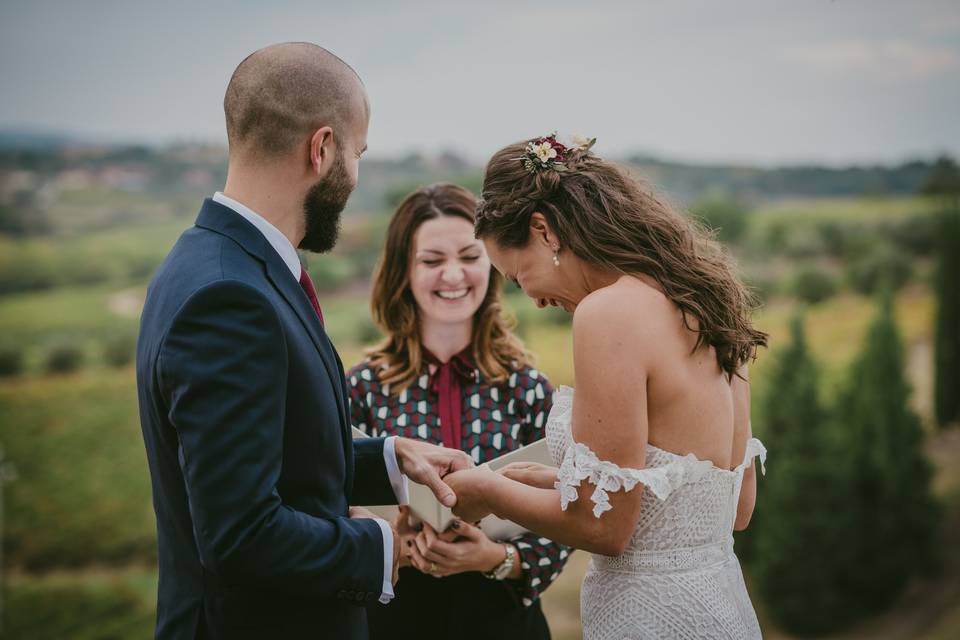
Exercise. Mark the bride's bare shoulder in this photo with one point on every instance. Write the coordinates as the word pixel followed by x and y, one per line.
pixel 629 307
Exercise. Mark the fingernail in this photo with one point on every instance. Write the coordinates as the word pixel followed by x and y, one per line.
pixel 449 500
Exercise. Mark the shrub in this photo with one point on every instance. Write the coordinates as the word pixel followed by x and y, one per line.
pixel 813 285
pixel 11 362
pixel 726 215
pixel 64 358
pixel 916 236
pixel 835 237
pixel 367 332
pixel 118 351
pixel 885 266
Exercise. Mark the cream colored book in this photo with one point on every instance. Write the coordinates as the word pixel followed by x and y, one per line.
pixel 425 506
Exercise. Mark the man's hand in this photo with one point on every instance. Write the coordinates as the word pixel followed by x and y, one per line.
pixel 360 512
pixel 427 463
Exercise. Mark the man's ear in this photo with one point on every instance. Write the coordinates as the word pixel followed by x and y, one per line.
pixel 540 229
pixel 322 151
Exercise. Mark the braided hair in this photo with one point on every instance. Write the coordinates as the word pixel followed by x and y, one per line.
pixel 613 220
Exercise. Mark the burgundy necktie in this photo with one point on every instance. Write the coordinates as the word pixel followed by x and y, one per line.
pixel 307 285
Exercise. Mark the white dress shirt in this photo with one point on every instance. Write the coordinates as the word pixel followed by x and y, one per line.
pixel 398 481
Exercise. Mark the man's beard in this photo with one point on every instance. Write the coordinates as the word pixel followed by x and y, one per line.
pixel 322 207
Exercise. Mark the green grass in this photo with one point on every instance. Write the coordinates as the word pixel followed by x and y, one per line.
pixel 849 210
pixel 82 493
pixel 82 496
pixel 89 605
pixel 84 316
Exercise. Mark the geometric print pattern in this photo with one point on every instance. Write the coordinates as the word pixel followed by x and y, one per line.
pixel 495 418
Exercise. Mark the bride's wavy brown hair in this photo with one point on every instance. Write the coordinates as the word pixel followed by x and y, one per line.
pixel 615 221
pixel 496 350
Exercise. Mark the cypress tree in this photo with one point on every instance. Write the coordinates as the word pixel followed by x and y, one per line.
pixel 892 503
pixel 803 536
pixel 947 327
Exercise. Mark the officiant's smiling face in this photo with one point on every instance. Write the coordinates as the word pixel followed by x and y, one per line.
pixel 450 271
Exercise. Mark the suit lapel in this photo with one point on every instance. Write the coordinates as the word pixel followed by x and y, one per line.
pixel 226 221
pixel 283 281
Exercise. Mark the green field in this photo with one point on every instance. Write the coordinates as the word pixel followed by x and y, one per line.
pixel 79 530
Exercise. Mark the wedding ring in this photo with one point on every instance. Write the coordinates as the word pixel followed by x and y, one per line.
pixel 433 567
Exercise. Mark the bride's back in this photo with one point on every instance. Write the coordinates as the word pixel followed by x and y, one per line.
pixel 690 403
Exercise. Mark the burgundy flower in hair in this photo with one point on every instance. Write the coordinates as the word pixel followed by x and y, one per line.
pixel 548 153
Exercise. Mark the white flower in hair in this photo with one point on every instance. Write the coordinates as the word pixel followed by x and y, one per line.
pixel 545 152
pixel 579 141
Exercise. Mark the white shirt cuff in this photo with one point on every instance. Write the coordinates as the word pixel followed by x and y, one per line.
pixel 386 595
pixel 397 480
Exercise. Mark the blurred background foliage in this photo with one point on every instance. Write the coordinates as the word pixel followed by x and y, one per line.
pixel 855 269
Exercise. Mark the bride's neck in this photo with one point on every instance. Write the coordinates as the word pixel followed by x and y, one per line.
pixel 594 277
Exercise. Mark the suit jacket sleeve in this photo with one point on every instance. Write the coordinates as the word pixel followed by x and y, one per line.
pixel 223 370
pixel 371 483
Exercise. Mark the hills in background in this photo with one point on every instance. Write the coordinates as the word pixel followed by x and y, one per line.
pixel 34 161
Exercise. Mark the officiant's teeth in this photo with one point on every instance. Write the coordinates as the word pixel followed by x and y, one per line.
pixel 453 295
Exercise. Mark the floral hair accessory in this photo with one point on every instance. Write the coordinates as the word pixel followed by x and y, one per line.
pixel 548 153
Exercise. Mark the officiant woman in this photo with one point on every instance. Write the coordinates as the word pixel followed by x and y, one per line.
pixel 451 372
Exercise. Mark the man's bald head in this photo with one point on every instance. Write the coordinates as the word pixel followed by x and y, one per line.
pixel 278 96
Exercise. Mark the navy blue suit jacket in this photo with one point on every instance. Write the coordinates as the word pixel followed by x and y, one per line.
pixel 243 406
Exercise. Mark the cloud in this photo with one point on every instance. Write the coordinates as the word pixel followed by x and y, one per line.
pixel 888 59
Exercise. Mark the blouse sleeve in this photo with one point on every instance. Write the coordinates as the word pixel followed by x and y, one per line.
pixel 541 559
pixel 359 388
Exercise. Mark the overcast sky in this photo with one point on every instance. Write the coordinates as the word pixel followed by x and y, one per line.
pixel 766 81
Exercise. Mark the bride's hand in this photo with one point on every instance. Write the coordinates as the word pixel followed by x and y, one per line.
pixel 531 473
pixel 469 486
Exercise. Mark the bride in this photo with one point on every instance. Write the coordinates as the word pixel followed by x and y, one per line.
pixel 655 452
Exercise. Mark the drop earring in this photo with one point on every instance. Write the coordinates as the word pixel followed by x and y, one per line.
pixel 556 258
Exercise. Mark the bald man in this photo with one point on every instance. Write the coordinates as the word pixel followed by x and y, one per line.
pixel 243 403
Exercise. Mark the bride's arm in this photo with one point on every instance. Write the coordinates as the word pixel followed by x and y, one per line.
pixel 612 346
pixel 741 418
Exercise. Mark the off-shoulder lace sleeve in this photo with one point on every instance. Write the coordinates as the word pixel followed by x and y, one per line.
pixel 755 449
pixel 580 463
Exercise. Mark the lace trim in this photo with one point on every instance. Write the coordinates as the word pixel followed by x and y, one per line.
pixel 580 463
pixel 754 448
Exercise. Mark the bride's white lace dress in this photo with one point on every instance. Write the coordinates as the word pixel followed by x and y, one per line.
pixel 679 577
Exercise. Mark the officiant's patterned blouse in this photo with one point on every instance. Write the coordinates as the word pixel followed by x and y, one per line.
pixel 495 419
pixel 487 399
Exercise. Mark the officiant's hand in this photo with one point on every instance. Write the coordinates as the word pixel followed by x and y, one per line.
pixel 530 473
pixel 407 533
pixel 461 548
pixel 469 486
pixel 427 463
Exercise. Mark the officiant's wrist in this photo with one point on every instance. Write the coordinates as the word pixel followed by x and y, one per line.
pixel 507 563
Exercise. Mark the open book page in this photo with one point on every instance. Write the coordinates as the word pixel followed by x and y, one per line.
pixel 425 506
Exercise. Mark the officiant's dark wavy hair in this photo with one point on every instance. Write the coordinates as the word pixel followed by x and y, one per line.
pixel 399 357
pixel 613 220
